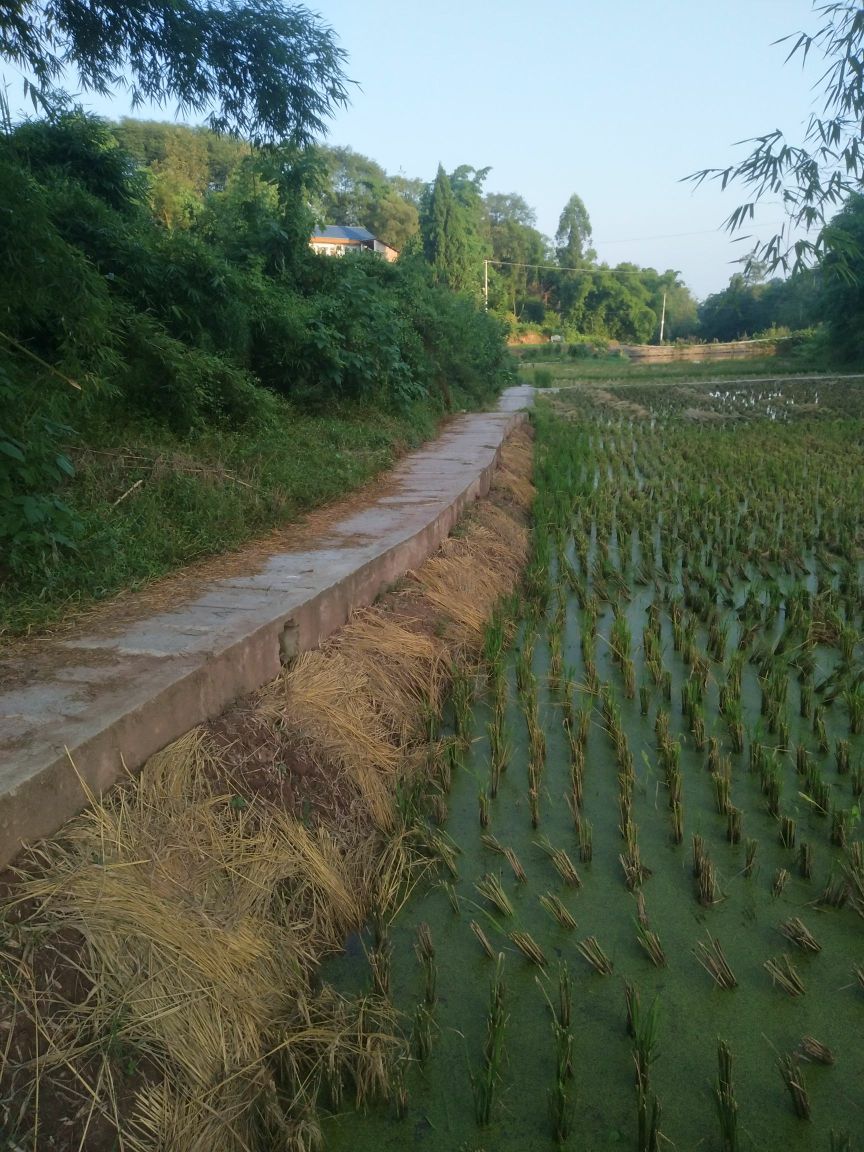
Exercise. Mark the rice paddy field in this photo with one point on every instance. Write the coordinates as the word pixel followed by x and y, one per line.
pixel 643 926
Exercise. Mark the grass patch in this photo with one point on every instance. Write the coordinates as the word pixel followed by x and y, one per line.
pixel 619 370
pixel 153 501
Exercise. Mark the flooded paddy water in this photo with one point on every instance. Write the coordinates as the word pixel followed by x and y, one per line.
pixel 644 926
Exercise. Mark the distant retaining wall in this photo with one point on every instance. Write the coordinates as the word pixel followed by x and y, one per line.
pixel 699 353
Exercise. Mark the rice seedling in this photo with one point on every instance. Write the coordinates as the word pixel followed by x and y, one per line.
pixel 771 788
pixel 699 855
pixel 648 1117
pixel 713 755
pixel 583 727
pixel 724 1098
pixel 632 1003
pixel 444 851
pixel 733 824
pixel 499 755
pixel 840 824
pixel 492 843
pixel 788 830
pixel 713 959
pixel 561 861
pixel 379 960
pixel 817 790
pixel 515 864
pixel 594 954
pixel 678 823
pixel 461 694
pixel 585 836
pixel 529 948
pixel 650 941
pixel 795 930
pixel 452 896
pixel 707 887
pixel 783 973
pixel 483 938
pixel 485 1083
pixel 565 996
pixel 857 780
pixel 721 793
pixel 805 702
pixel 805 860
pixel 439 810
pixel 841 757
pixel 644 698
pixel 422 1032
pixel 574 798
pixel 793 1077
pixel 781 875
pixel 534 805
pixel 645 1025
pixel 835 893
pixel 853 698
pixel 561 1106
pixel 635 871
pixel 489 887
pixel 483 804
pixel 675 785
pixel 802 760
pixel 425 952
pixel 558 910
pixel 812 1050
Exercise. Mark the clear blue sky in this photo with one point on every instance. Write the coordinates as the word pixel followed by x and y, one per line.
pixel 615 101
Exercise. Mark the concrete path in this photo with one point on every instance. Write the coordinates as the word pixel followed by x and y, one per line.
pixel 114 697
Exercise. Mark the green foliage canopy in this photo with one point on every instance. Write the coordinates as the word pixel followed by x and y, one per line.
pixel 263 69
pixel 193 327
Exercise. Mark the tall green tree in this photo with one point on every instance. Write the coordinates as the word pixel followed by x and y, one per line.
pixel 261 68
pixel 518 280
pixel 445 231
pixel 573 238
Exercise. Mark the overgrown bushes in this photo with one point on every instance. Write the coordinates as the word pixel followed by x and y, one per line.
pixel 192 329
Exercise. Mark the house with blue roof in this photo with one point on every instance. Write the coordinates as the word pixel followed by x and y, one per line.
pixel 337 240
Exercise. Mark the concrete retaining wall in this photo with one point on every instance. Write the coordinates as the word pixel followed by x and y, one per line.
pixel 93 707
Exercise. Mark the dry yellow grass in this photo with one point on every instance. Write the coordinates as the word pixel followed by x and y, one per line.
pixel 200 916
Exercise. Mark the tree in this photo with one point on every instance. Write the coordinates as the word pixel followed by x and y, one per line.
pixel 264 69
pixel 451 226
pixel 518 246
pixel 502 207
pixel 842 276
pixel 574 233
pixel 815 176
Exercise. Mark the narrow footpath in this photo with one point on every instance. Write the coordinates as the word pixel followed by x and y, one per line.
pixel 77 711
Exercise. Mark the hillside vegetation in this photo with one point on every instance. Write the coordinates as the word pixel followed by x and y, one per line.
pixel 174 381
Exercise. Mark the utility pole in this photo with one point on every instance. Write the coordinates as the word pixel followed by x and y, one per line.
pixel 486 285
pixel 663 318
